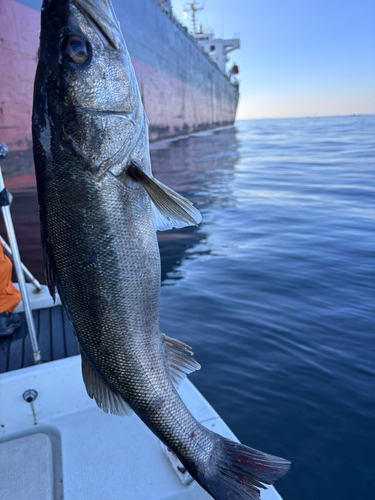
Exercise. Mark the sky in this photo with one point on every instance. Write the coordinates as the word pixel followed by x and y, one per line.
pixel 297 57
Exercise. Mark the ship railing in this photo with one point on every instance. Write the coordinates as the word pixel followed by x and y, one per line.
pixel 164 6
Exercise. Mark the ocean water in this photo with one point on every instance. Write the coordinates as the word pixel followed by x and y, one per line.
pixel 275 289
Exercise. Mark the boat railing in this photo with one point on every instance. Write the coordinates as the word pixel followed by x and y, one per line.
pixel 5 201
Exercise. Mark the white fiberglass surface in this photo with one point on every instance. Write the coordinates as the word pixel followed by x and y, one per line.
pixel 95 455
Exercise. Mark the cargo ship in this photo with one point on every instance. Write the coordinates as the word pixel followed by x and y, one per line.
pixel 183 77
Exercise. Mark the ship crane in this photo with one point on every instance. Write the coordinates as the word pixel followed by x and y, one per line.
pixel 216 48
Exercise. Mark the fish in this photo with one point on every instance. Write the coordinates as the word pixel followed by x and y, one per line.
pixel 100 208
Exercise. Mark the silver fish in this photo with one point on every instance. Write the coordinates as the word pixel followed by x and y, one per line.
pixel 100 208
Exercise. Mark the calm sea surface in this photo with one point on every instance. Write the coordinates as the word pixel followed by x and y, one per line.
pixel 275 289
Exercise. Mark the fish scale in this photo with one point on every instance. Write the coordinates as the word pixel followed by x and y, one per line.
pixel 100 208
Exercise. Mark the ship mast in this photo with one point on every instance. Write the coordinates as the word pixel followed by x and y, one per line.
pixel 193 7
pixel 216 48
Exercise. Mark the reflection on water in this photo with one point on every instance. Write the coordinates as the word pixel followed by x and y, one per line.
pixel 189 166
pixel 275 289
pixel 277 296
pixel 195 168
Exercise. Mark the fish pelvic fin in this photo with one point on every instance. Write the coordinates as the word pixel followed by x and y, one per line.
pixel 180 360
pixel 50 276
pixel 237 471
pixel 50 272
pixel 98 389
pixel 169 209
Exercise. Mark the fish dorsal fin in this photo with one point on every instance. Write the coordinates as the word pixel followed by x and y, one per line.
pixel 97 389
pixel 169 209
pixel 180 359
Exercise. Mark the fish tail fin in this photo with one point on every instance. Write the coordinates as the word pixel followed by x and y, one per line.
pixel 238 472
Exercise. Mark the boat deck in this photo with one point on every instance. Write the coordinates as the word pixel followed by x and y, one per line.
pixel 63 446
pixel 55 443
pixel 55 336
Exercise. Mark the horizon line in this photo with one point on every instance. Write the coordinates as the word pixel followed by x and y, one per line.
pixel 301 117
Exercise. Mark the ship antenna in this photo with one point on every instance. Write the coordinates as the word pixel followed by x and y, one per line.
pixel 193 7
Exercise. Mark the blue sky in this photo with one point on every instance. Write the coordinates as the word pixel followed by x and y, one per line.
pixel 298 57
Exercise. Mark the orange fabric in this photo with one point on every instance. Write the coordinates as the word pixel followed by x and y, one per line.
pixel 10 297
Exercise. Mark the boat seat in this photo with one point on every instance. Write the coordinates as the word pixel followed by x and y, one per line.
pixel 26 468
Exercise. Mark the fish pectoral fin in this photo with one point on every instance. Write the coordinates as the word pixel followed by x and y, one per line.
pixel 180 359
pixel 169 209
pixel 98 389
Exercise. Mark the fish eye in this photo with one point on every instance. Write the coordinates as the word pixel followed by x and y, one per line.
pixel 75 49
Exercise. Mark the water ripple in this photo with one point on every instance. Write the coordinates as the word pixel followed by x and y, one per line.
pixel 276 292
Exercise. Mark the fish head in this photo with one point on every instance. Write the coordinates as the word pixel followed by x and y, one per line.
pixel 86 92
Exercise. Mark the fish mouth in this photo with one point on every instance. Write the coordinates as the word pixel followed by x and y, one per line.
pixel 102 16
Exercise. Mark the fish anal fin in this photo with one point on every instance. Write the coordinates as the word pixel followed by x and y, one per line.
pixel 169 209
pixel 180 359
pixel 98 389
